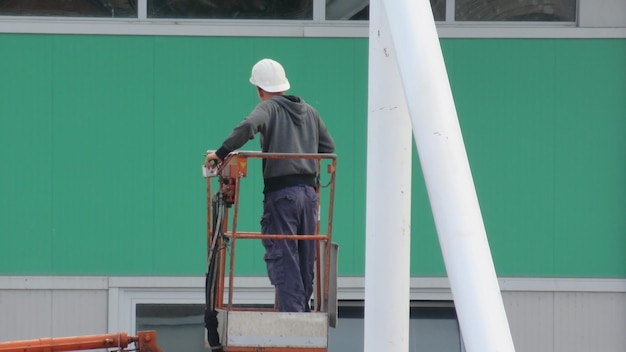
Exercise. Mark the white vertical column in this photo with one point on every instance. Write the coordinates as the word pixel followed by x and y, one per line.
pixel 388 213
pixel 449 182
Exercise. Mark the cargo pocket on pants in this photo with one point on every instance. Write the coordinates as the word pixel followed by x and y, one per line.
pixel 275 270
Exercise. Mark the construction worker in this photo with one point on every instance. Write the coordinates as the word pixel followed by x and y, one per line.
pixel 287 125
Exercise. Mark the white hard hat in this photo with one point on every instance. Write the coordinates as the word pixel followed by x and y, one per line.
pixel 270 76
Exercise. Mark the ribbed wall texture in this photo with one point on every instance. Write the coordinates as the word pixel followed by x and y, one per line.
pixel 102 140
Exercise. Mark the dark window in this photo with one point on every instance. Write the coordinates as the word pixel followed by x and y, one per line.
pixel 179 327
pixel 232 9
pixel 433 326
pixel 359 9
pixel 69 8
pixel 516 10
pixel 336 10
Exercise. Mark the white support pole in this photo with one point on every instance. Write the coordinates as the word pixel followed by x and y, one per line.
pixel 388 209
pixel 448 178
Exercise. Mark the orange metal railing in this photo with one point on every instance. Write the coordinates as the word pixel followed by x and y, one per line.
pixel 230 172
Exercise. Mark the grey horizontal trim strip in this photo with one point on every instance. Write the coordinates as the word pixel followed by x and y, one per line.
pixel 349 287
pixel 54 283
pixel 229 28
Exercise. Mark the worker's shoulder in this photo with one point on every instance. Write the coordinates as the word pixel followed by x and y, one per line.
pixel 273 103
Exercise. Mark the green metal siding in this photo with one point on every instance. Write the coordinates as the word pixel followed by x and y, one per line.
pixel 102 141
pixel 545 128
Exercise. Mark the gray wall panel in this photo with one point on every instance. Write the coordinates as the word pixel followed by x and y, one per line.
pixel 567 321
pixel 531 320
pixel 79 312
pixel 32 314
pixel 25 314
pixel 604 13
pixel 545 314
pixel 590 321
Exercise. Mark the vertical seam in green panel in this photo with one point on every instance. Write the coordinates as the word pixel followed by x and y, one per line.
pixel 152 235
pixel 554 152
pixel 52 229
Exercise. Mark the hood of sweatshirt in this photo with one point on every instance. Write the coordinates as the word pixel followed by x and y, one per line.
pixel 293 105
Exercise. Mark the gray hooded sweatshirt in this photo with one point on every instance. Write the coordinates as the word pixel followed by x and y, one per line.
pixel 287 125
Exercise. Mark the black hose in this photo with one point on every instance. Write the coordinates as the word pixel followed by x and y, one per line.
pixel 210 313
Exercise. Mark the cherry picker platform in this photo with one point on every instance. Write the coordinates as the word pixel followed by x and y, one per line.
pixel 234 328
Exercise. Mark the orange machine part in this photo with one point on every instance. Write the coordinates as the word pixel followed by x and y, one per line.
pixel 146 341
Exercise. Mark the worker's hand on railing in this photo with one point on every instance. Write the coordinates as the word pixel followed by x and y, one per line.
pixel 211 164
pixel 212 160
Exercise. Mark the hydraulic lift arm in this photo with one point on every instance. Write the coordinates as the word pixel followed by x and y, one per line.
pixel 145 341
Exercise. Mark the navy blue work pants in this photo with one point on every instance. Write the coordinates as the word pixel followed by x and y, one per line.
pixel 290 263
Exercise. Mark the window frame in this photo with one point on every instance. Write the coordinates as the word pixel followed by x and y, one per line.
pixel 318 7
pixel 187 297
pixel 316 28
pixel 126 292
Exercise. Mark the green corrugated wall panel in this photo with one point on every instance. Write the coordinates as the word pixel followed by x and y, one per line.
pixel 184 116
pixel 102 139
pixel 545 127
pixel 590 142
pixel 25 155
pixel 504 91
pixel 102 149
